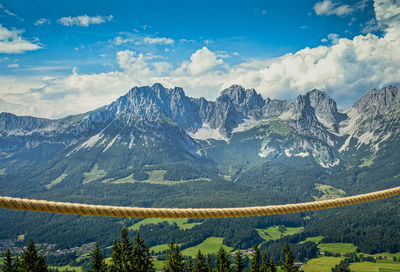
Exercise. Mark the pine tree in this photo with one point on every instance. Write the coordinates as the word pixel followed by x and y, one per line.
pixel 209 263
pixel 340 268
pixel 140 257
pixel 174 260
pixel 8 263
pixel 189 265
pixel 30 261
pixel 17 265
pixel 126 251
pixel 98 264
pixel 121 257
pixel 200 264
pixel 116 258
pixel 272 267
pixel 256 261
pixel 222 263
pixel 239 262
pixel 287 265
pixel 265 264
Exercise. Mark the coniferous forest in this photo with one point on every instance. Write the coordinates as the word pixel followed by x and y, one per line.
pixel 135 257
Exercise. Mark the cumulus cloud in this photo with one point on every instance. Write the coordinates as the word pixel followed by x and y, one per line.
pixel 12 42
pixel 201 61
pixel 84 20
pixel 42 21
pixel 388 12
pixel 327 7
pixel 345 69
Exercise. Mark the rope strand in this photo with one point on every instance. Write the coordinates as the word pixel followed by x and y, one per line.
pixel 114 211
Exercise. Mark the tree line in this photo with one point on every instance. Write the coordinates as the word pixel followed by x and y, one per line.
pixel 136 257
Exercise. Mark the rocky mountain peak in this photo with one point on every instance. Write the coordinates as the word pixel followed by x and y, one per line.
pixel 247 101
pixel 379 101
pixel 325 108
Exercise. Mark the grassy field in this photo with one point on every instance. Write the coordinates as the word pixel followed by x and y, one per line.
pixel 273 233
pixel 386 255
pixel 280 127
pixel 56 181
pixel 209 246
pixel 94 174
pixel 328 191
pixel 181 222
pixel 315 239
pixel 341 248
pixel 321 264
pixel 158 265
pixel 67 268
pixel 160 248
pixel 155 177
pixel 375 267
pixel 368 161
pixel 21 237
pixel 80 258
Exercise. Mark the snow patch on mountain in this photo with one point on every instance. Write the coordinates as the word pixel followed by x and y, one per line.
pixel 110 144
pixel 302 154
pixel 245 125
pixel 206 132
pixel 288 115
pixel 288 153
pixel 88 144
pixel 265 150
pixel 328 164
pixel 131 141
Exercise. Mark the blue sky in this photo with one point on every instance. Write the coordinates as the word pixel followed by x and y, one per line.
pixel 57 52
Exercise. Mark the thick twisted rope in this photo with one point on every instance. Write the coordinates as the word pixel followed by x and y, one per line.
pixel 100 210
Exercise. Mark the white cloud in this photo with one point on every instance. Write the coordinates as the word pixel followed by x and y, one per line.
pixel 139 40
pixel 334 37
pixel 84 20
pixel 327 7
pixel 203 60
pixel 10 13
pixel 42 21
pixel 345 69
pixel 13 65
pixel 166 41
pixel 119 40
pixel 388 12
pixel 11 42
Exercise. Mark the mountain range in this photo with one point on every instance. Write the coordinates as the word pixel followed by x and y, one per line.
pixel 153 125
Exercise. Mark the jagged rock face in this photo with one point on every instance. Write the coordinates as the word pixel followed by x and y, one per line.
pixel 225 117
pixel 373 119
pixel 274 107
pixel 325 108
pixel 248 102
pixel 379 101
